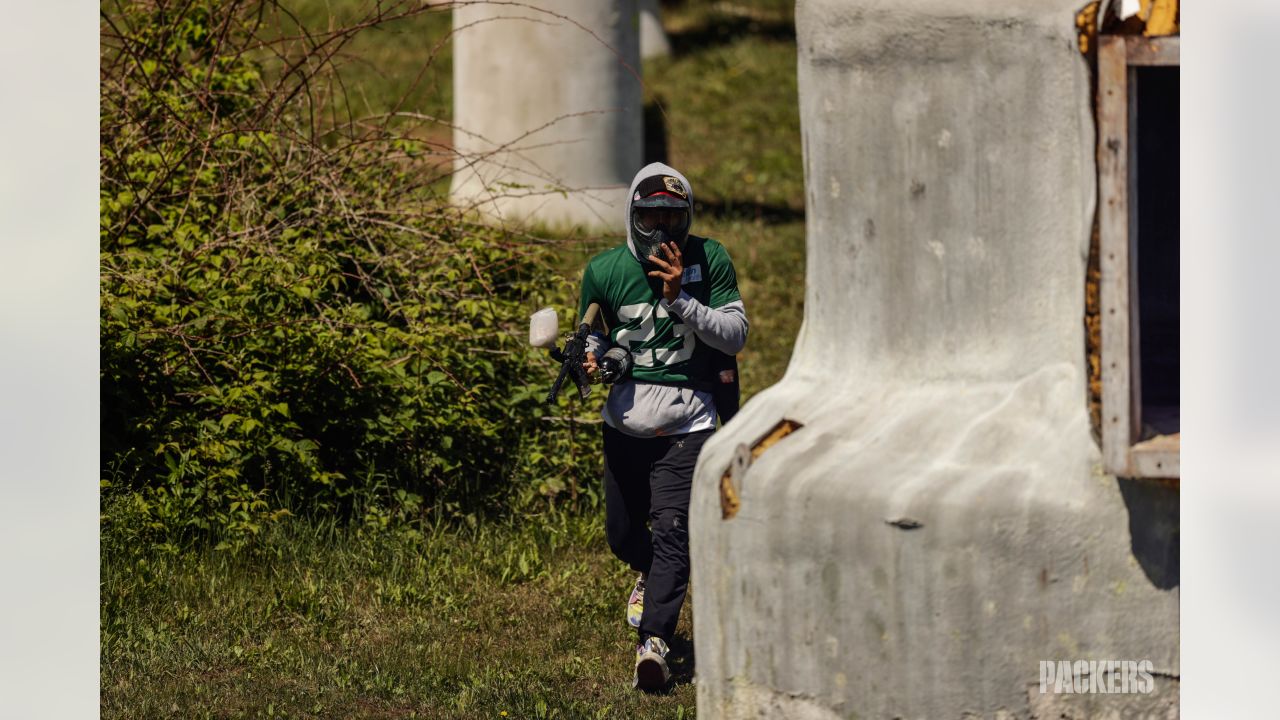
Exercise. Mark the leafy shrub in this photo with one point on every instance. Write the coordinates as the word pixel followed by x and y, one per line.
pixel 291 321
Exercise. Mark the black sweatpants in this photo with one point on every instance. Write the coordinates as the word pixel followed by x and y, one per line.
pixel 648 480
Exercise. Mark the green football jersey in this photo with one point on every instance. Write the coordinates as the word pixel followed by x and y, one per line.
pixel 663 349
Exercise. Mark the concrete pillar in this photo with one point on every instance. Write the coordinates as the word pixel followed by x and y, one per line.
pixel 939 523
pixel 547 111
pixel 653 38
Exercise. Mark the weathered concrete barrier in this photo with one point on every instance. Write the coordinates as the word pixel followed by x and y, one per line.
pixel 653 38
pixel 933 522
pixel 552 129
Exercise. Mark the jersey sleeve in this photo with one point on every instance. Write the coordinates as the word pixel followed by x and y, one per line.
pixel 724 280
pixel 590 294
pixel 596 342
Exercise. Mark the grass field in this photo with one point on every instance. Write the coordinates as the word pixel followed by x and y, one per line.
pixel 501 620
pixel 518 618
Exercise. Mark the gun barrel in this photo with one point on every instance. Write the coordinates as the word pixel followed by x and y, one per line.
pixel 589 317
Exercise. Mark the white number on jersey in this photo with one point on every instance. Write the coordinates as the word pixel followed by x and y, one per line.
pixel 650 358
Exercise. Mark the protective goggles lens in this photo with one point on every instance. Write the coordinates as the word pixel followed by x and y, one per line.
pixel 670 219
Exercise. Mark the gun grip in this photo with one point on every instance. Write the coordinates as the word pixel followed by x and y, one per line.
pixel 583 382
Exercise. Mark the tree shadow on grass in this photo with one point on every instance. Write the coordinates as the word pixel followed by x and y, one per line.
pixel 747 210
pixel 681 660
pixel 729 30
pixel 655 133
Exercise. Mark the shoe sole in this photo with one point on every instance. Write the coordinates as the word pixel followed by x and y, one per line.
pixel 650 673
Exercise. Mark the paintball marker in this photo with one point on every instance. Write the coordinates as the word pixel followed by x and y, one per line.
pixel 542 330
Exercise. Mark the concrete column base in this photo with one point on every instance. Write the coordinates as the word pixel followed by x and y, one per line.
pixel 939 523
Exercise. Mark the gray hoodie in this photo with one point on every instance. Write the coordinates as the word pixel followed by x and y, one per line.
pixel 646 409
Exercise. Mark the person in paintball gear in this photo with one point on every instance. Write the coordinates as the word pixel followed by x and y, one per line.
pixel 670 301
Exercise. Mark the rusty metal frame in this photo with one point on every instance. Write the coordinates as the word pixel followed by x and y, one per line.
pixel 1122 451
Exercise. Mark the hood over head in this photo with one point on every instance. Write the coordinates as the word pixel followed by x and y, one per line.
pixel 673 184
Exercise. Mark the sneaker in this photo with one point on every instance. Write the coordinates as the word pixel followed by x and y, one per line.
pixel 652 672
pixel 635 603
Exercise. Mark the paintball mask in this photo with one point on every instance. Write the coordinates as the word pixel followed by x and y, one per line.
pixel 659 214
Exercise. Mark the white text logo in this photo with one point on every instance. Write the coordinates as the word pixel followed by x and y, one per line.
pixel 1096 676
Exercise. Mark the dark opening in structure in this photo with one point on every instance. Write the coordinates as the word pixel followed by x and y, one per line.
pixel 1157 184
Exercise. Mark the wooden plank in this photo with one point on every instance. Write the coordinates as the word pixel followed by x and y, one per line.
pixel 1153 51
pixel 1135 305
pixel 1155 464
pixel 1113 246
pixel 1158 457
pixel 1160 443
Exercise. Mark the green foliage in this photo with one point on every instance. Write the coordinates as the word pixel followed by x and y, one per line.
pixel 290 319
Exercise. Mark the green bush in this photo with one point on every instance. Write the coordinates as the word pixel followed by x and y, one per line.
pixel 291 321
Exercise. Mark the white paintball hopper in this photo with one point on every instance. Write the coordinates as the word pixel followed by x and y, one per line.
pixel 544 325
